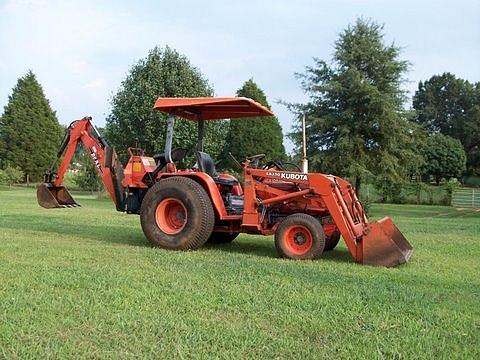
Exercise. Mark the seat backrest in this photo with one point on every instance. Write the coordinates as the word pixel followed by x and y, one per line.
pixel 205 164
pixel 177 155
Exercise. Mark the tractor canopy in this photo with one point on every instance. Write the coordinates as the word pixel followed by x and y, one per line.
pixel 211 108
pixel 205 108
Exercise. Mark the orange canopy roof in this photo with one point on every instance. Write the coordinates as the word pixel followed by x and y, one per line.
pixel 211 108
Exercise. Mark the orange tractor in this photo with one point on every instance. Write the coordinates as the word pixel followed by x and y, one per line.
pixel 183 209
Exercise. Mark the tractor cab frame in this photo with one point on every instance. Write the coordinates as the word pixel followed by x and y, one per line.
pixel 200 110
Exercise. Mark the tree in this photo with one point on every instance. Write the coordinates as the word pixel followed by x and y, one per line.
pixel 250 136
pixel 29 130
pixel 86 176
pixel 356 125
pixel 451 106
pixel 444 157
pixel 133 121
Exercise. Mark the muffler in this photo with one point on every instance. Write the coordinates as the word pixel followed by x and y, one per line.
pixel 50 196
pixel 385 245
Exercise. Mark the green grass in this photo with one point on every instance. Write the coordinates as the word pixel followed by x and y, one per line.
pixel 84 283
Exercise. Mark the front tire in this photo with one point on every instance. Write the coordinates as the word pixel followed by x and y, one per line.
pixel 300 237
pixel 177 214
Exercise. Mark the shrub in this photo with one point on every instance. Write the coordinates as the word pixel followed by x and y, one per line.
pixel 450 186
pixel 10 175
pixel 391 190
pixel 87 178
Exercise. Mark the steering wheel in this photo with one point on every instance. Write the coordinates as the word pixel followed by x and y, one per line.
pixel 282 166
pixel 289 166
pixel 255 159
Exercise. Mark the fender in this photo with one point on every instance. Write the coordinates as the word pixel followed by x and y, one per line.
pixel 210 187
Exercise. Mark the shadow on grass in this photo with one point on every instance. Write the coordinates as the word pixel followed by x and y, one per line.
pixel 134 237
pixel 264 248
pixel 338 255
pixel 258 248
pixel 113 234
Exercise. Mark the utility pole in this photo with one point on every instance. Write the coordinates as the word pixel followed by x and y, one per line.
pixel 304 145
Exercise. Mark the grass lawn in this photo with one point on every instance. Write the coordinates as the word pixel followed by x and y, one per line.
pixel 84 282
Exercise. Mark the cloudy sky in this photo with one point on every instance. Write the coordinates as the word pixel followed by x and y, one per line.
pixel 82 50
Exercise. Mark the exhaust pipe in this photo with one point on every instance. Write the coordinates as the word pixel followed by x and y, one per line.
pixel 51 197
pixel 385 245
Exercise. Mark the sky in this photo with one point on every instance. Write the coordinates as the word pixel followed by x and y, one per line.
pixel 82 50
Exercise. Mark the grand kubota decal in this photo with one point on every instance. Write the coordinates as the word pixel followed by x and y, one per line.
pixel 288 176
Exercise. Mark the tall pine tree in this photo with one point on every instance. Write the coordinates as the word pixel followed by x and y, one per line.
pixel 250 136
pixel 356 122
pixel 29 130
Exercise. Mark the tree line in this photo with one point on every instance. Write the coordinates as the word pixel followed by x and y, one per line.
pixel 30 132
pixel 358 125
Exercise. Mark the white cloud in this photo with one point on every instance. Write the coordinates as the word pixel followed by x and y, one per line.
pixel 95 84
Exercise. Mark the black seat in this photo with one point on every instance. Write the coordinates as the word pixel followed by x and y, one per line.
pixel 177 155
pixel 205 164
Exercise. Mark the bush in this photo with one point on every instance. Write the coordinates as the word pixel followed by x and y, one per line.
pixel 87 179
pixel 366 204
pixel 450 186
pixel 391 191
pixel 11 175
pixel 407 193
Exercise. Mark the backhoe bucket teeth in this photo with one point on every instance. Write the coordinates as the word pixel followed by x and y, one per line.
pixel 50 197
pixel 385 245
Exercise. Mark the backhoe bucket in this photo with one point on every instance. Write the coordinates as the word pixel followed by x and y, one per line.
pixel 50 197
pixel 385 245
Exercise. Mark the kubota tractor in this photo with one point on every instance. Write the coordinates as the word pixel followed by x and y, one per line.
pixel 183 209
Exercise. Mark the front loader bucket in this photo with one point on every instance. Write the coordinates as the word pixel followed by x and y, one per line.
pixel 50 197
pixel 385 245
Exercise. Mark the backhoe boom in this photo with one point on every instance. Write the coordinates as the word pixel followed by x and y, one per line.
pixel 52 193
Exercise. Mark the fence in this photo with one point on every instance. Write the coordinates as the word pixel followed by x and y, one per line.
pixel 466 198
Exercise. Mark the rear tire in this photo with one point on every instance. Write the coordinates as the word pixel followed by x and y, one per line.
pixel 222 237
pixel 301 237
pixel 177 214
pixel 332 241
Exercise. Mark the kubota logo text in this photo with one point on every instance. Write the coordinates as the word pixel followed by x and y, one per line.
pixel 288 176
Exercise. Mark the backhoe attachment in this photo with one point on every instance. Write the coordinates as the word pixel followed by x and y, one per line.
pixel 50 196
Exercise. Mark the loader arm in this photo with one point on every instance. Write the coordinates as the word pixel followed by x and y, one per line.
pixel 53 194
pixel 374 243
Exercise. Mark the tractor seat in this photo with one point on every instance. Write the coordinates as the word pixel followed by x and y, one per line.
pixel 177 155
pixel 205 164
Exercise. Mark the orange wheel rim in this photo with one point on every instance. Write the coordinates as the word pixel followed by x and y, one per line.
pixel 171 216
pixel 298 240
